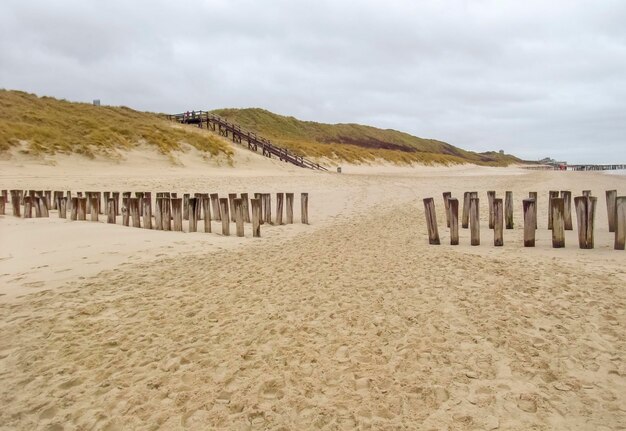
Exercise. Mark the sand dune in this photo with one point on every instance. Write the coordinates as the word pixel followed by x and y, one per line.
pixel 352 322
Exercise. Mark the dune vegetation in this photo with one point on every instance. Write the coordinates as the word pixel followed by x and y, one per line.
pixel 50 126
pixel 354 142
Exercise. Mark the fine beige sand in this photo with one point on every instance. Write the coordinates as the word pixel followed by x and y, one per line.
pixel 351 322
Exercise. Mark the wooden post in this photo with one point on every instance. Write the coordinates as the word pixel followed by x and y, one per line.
pixel 173 195
pixel 238 207
pixel 585 214
pixel 558 225
pixel 567 209
pixel 466 207
pixel 491 195
pixel 116 198
pixel 28 206
pixel 215 203
pixel 82 209
pixel 5 196
pixel 498 222
pixel 186 206
pixel 62 207
pixel 262 198
pixel 454 220
pixel 225 216
pixel 166 214
pixel 304 208
pixel 280 197
pixel 611 196
pixel 206 207
pixel 620 222
pixel 245 207
pixel 125 209
pixel 48 197
pixel 289 208
pixel 111 218
pixel 199 207
pixel 1 205
pixel 107 196
pixel 256 217
pixel 35 203
pixel 93 206
pixel 158 213
pixel 431 221
pixel 15 203
pixel 74 209
pixel 533 195
pixel 586 192
pixel 140 196
pixel 529 222
pixel 475 221
pixel 508 210
pixel 53 201
pixel 133 204
pixel 147 211
pixel 177 214
pixel 267 208
pixel 231 203
pixel 446 205
pixel 193 214
pixel 551 195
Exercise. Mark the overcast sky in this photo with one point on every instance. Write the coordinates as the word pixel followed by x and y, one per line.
pixel 535 78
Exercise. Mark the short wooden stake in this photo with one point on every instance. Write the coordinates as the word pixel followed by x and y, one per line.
pixel 74 209
pixel 620 222
pixel 2 205
pixel 466 207
pixel 135 215
pixel 508 210
pixel 93 206
pixel 185 206
pixel 215 203
pixel 158 213
pixel 206 208
pixel 82 209
pixel 498 222
pixel 231 203
pixel 140 196
pixel 48 197
pixel 245 207
pixel 15 203
pixel 193 214
pixel 529 222
pixel 611 196
pixel 558 225
pixel 238 216
pixel 446 205
pixel 116 198
pixel 454 220
pixel 28 206
pixel 567 209
pixel 147 211
pixel 289 208
pixel 475 221
pixel 551 195
pixel 304 208
pixel 62 207
pixel 126 210
pixel 225 216
pixel 534 195
pixel 491 195
pixel 111 218
pixel 166 214
pixel 177 214
pixel 431 221
pixel 280 199
pixel 267 208
pixel 262 198
pixel 585 214
pixel 106 196
pixel 256 217
pixel 53 203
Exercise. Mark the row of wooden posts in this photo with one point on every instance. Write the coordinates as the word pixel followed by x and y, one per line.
pixel 559 217
pixel 169 211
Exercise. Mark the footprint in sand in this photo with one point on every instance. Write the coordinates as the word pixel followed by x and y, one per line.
pixel 272 389
pixel 527 403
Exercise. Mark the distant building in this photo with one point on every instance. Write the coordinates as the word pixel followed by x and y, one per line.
pixel 96 102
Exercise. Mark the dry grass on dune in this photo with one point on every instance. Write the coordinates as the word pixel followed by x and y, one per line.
pixel 49 125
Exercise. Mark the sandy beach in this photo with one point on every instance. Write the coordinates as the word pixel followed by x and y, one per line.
pixel 350 322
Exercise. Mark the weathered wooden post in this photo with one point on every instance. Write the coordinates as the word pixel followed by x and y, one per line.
pixel 567 209
pixel 35 202
pixel 147 210
pixel 491 195
pixel 586 192
pixel 158 213
pixel 93 207
pixel 206 208
pixel 48 196
pixel 116 198
pixel 534 195
pixel 15 203
pixel 256 216
pixel 508 210
pixel 5 196
pixel 199 207
pixel 225 216
pixel 280 197
pixel 289 208
pixel 125 211
pixel 267 208
pixel 107 196
pixel 446 205
pixel 558 225
pixel 43 202
pixel 611 196
pixel 111 218
pixel 62 207
pixel 215 203
pixel 231 203
pixel 585 214
pixel 166 214
pixel 246 207
pixel 551 195
pixel 466 207
pixel 431 221
pixel 261 197
pixel 304 208
pixel 1 205
pixel 454 220
pixel 133 204
pixel 185 206
pixel 140 196
pixel 498 222
pixel 238 207
pixel 28 206
pixel 474 221
pixel 193 214
pixel 177 214
pixel 54 202
pixel 529 222
pixel 82 209
pixel 620 222
pixel 74 209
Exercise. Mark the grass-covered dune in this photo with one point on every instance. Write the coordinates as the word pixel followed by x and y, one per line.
pixel 354 142
pixel 49 126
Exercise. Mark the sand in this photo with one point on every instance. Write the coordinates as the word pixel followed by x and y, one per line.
pixel 351 322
